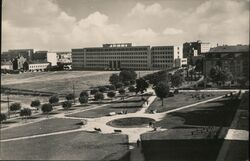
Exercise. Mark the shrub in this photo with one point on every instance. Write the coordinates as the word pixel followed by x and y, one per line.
pixel 3 117
pixel 111 87
pixel 35 103
pixel 15 107
pixel 102 89
pixel 83 99
pixel 66 105
pixel 111 94
pixel 53 99
pixel 99 96
pixel 84 94
pixel 114 79
pixel 127 75
pixel 25 112
pixel 126 83
pixel 46 108
pixel 119 85
pixel 94 91
pixel 131 88
pixel 70 96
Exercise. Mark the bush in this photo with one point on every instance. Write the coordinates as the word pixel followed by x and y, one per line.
pixel 132 82
pixel 126 83
pixel 15 107
pixel 83 99
pixel 84 94
pixel 111 87
pixel 94 91
pixel 103 89
pixel 127 75
pixel 119 85
pixel 66 105
pixel 122 91
pixel 53 99
pixel 114 79
pixel 25 112
pixel 99 96
pixel 3 117
pixel 70 96
pixel 131 89
pixel 46 108
pixel 111 94
pixel 35 103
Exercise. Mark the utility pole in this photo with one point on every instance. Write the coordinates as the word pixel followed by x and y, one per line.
pixel 74 93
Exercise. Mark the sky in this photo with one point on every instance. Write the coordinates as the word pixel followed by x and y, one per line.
pixel 58 25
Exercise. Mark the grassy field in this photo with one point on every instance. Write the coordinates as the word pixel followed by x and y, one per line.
pixel 71 146
pixel 59 81
pixel 216 113
pixel 130 122
pixel 181 99
pixel 130 107
pixel 42 127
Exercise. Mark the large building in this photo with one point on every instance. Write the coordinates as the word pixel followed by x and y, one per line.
pixel 12 54
pixel 125 56
pixel 232 58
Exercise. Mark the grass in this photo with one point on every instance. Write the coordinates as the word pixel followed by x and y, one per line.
pixel 130 122
pixel 181 99
pixel 60 81
pixel 208 114
pixel 70 146
pixel 130 107
pixel 42 127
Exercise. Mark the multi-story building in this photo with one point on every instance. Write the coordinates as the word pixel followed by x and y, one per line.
pixel 165 57
pixel 64 57
pixel 34 66
pixel 126 56
pixel 112 57
pixel 232 58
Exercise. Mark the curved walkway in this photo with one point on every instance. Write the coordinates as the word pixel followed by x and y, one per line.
pixel 133 133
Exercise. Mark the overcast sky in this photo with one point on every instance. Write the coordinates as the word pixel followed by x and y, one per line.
pixel 65 24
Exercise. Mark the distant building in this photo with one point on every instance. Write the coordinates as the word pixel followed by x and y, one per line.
pixel 52 58
pixel 192 49
pixel 7 65
pixel 39 56
pixel 233 58
pixel 35 66
pixel 64 57
pixel 126 56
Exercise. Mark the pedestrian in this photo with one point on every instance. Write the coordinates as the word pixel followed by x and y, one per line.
pixel 138 143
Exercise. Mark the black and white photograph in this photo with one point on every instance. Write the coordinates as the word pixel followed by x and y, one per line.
pixel 125 80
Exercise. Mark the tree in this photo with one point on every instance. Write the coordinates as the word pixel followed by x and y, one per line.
pixel 102 89
pixel 84 94
pixel 83 99
pixel 161 90
pixel 127 75
pixel 122 92
pixel 114 79
pixel 111 87
pixel 35 103
pixel 118 85
pixel 126 83
pixel 53 99
pixel 218 75
pixel 141 85
pixel 111 94
pixel 177 79
pixel 47 108
pixel 66 105
pixel 99 96
pixel 15 107
pixel 199 65
pixel 3 117
pixel 94 91
pixel 70 96
pixel 131 88
pixel 25 112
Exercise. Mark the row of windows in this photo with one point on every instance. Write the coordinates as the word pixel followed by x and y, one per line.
pixel 121 54
pixel 163 48
pixel 162 57
pixel 162 61
pixel 125 57
pixel 124 61
pixel 116 49
pixel 38 66
pixel 162 53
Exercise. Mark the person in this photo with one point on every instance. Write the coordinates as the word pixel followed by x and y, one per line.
pixel 138 143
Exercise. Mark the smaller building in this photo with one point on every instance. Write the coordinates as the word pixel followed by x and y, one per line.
pixel 18 62
pixel 7 65
pixel 35 66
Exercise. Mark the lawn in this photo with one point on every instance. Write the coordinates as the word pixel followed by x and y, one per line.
pixel 41 127
pixel 179 100
pixel 130 107
pixel 216 113
pixel 60 81
pixel 70 146
pixel 130 122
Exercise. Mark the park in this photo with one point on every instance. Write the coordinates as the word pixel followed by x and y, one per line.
pixel 122 116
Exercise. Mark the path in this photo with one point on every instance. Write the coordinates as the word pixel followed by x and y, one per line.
pixel 101 122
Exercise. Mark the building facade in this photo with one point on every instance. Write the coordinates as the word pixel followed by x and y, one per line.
pixel 232 58
pixel 112 57
pixel 126 56
pixel 35 66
